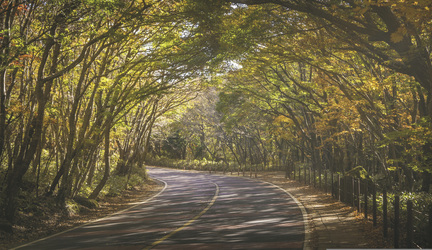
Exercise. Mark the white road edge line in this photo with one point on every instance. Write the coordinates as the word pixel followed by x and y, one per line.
pixel 308 237
pixel 308 232
pixel 93 221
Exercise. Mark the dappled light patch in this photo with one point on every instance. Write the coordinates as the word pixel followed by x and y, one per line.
pixel 197 210
pixel 334 224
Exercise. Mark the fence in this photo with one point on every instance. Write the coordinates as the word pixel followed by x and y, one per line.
pixel 403 220
pixel 408 224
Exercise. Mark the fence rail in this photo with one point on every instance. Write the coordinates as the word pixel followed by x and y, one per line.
pixel 410 226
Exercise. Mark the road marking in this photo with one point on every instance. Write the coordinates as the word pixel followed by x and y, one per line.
pixel 308 231
pixel 307 228
pixel 90 222
pixel 308 237
pixel 189 222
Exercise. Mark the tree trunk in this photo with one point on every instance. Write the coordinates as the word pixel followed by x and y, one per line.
pixel 426 176
pixel 2 110
pixel 105 177
pixel 33 132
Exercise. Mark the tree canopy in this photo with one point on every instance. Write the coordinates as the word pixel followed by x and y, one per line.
pixel 92 90
pixel 337 83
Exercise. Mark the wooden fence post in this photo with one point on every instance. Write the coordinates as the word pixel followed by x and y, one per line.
pixel 385 222
pixel 299 174
pixel 332 184
pixel 291 167
pixel 374 205
pixel 314 177
pixel 409 239
pixel 397 222
pixel 325 181
pixel 305 175
pixel 358 195
pixel 338 191
pixel 353 193
pixel 294 172
pixel 430 227
pixel 310 176
pixel 345 187
pixel 366 190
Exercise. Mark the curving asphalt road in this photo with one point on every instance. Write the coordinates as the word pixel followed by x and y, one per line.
pixel 195 211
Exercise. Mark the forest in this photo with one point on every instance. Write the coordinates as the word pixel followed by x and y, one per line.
pixel 92 91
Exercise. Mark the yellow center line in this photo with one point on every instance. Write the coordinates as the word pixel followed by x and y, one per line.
pixel 189 222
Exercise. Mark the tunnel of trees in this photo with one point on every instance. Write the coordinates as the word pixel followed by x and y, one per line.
pixel 92 90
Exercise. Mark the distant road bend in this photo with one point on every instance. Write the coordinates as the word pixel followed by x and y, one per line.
pixel 195 211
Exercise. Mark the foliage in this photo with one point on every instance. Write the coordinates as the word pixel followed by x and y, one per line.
pixel 422 203
pixel 329 84
pixel 358 172
pixel 82 85
pixel 90 90
pixel 189 164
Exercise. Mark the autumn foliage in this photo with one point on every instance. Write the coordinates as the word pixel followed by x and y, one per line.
pixel 92 89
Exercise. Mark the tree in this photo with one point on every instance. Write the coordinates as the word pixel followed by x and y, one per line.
pixel 72 71
pixel 392 33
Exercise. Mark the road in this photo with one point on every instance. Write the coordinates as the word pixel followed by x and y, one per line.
pixel 195 211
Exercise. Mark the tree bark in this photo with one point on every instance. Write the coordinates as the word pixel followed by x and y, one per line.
pixel 105 177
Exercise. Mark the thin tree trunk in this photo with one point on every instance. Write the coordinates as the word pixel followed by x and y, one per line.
pixel 105 177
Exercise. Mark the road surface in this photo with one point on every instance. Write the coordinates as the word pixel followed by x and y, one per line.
pixel 195 211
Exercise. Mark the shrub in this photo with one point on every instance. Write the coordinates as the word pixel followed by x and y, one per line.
pixel 89 203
